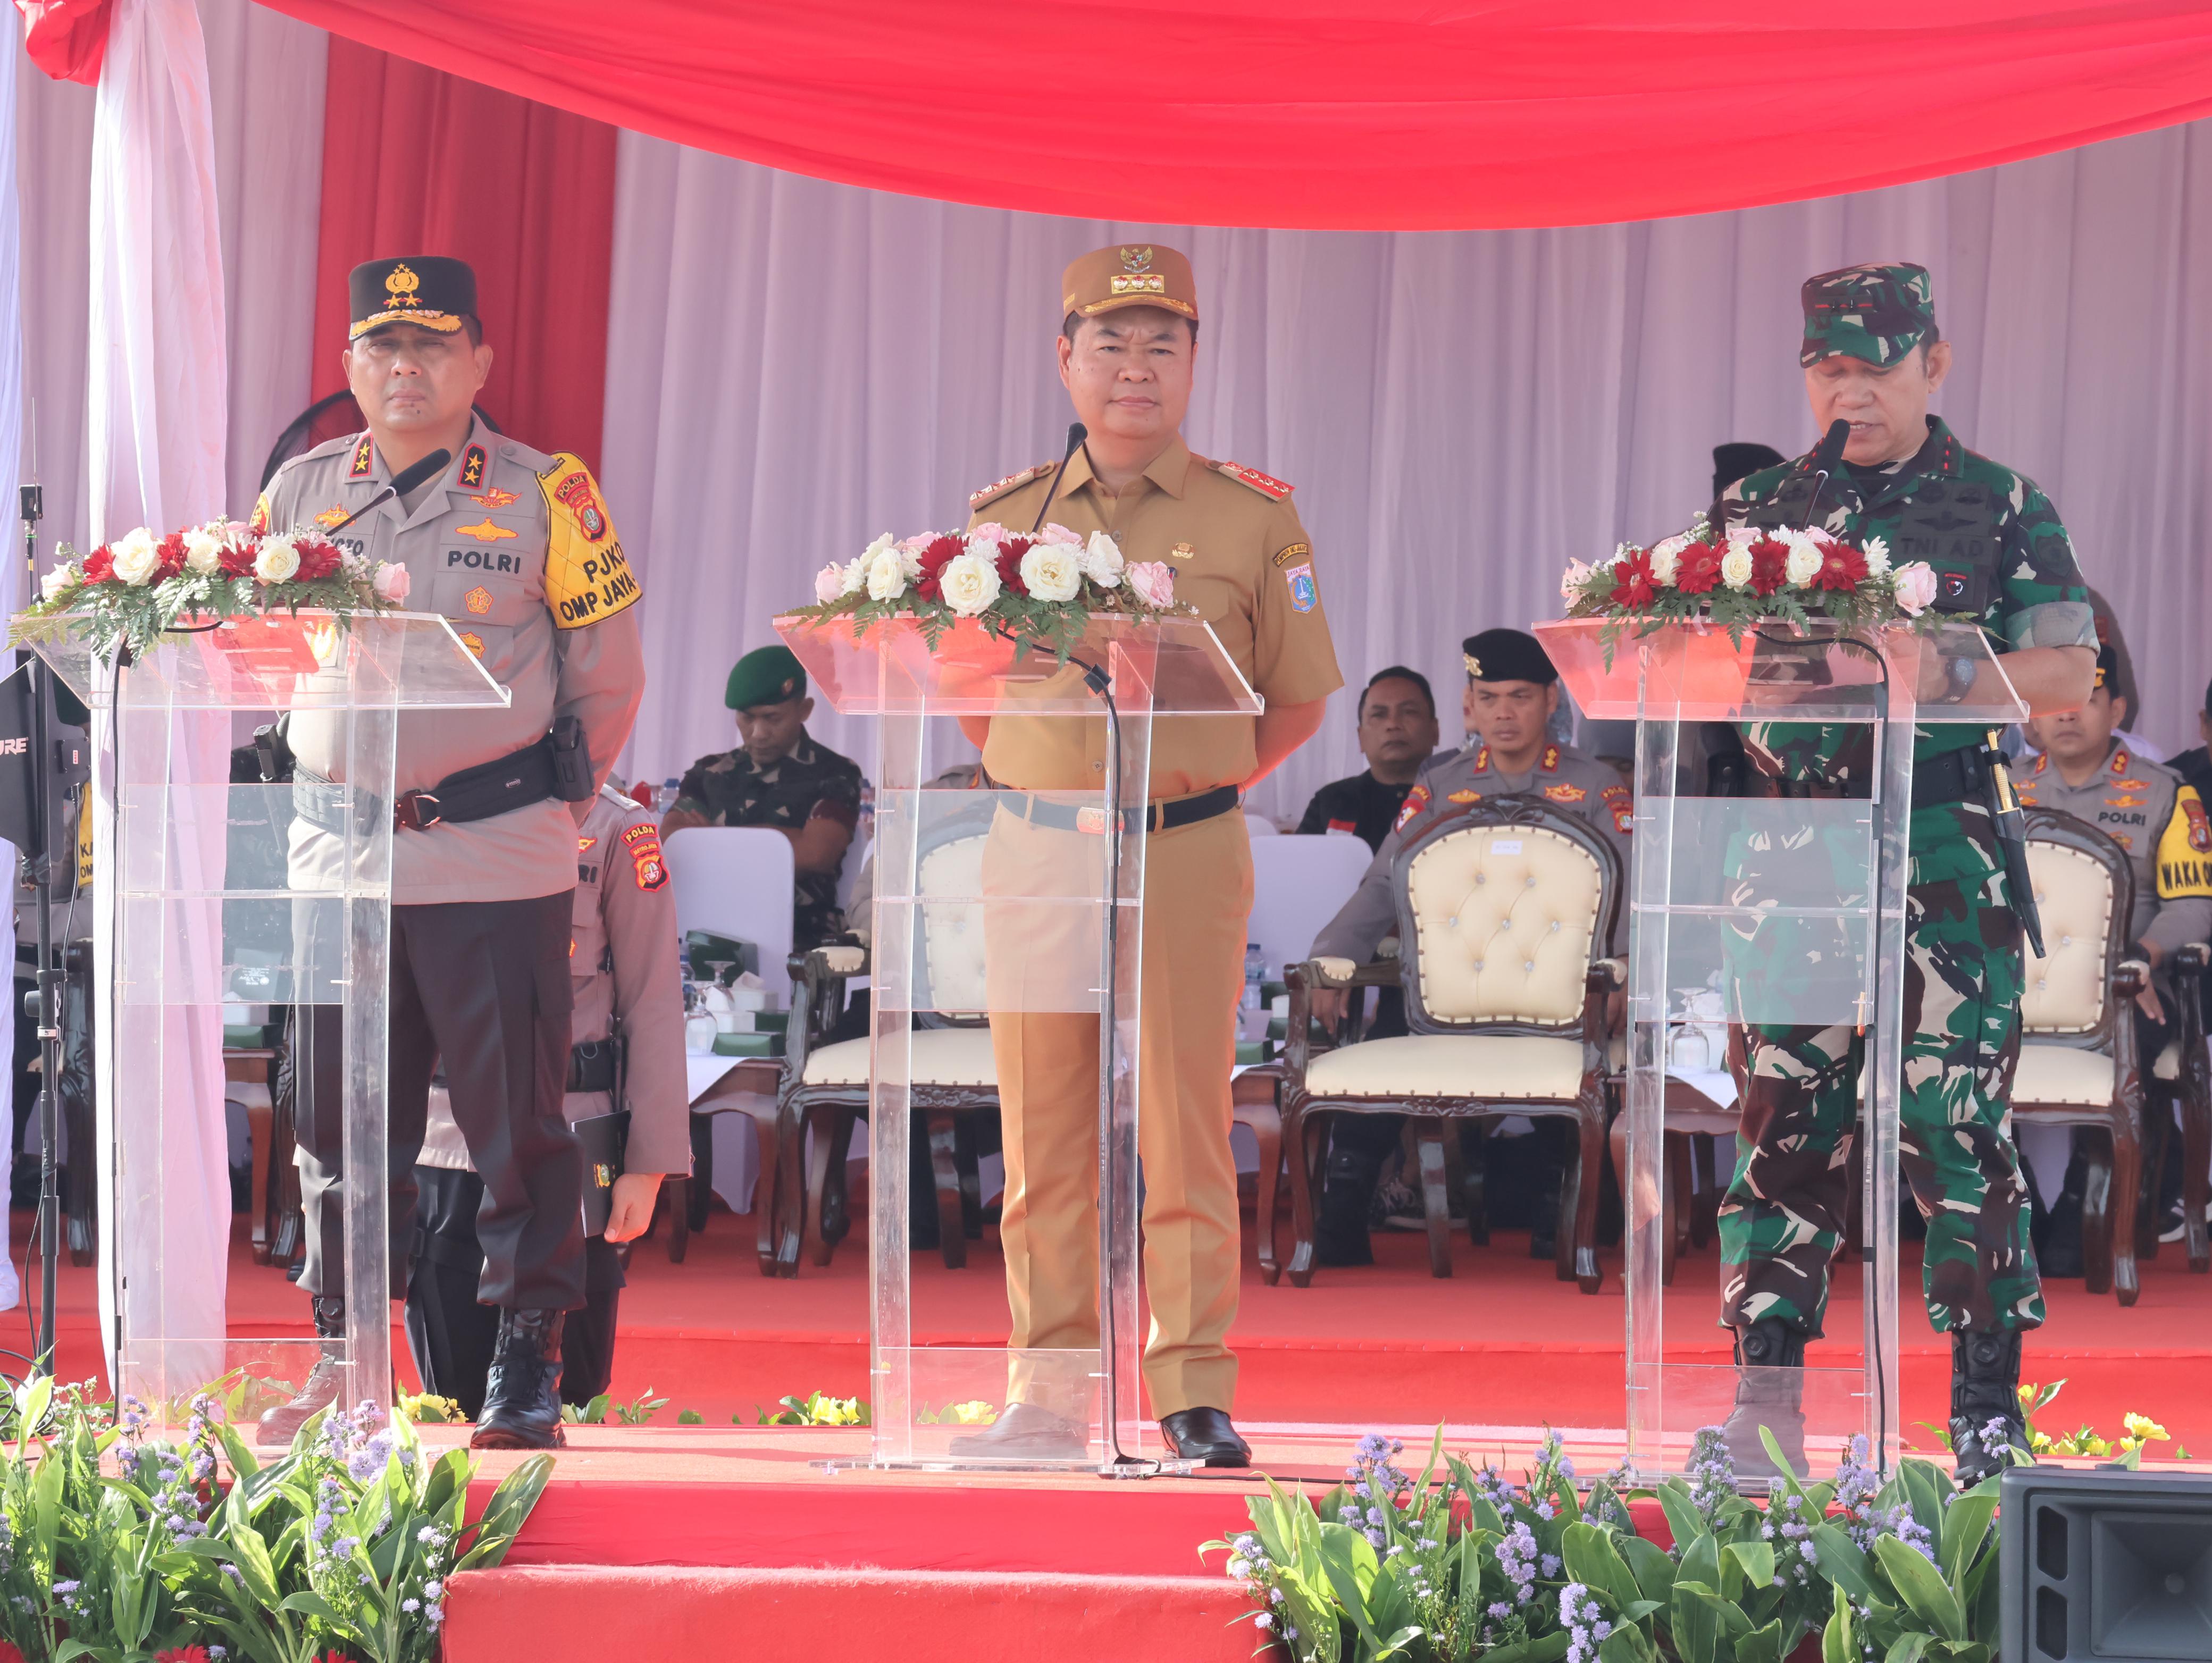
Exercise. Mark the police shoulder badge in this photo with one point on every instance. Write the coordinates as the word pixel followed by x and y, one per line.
pixel 1416 800
pixel 643 842
pixel 259 523
pixel 2183 847
pixel 587 577
pixel 1617 799
pixel 1275 489
pixel 1305 596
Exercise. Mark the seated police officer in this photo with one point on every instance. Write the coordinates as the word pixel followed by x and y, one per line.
pixel 779 777
pixel 2157 817
pixel 515 548
pixel 1397 736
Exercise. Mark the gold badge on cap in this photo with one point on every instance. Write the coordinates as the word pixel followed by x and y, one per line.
pixel 400 285
pixel 1137 260
pixel 1474 666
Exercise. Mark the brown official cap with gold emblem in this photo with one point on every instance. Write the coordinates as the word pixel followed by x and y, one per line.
pixel 432 291
pixel 1129 273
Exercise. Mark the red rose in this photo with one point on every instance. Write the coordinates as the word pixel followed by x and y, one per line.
pixel 170 549
pixel 99 567
pixel 1632 584
pixel 1009 563
pixel 1841 568
pixel 935 557
pixel 1770 565
pixel 318 559
pixel 1699 569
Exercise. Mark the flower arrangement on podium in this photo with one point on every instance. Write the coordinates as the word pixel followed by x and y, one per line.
pixel 131 591
pixel 1745 576
pixel 1038 591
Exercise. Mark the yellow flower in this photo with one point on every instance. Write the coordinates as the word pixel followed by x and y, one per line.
pixel 2040 1443
pixel 2142 1427
pixel 2027 1396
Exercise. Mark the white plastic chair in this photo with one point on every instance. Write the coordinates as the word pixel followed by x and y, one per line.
pixel 737 881
pixel 1257 826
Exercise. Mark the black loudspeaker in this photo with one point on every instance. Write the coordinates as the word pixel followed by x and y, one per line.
pixel 66 769
pixel 2106 1564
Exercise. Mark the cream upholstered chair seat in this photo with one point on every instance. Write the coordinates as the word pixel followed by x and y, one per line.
pixel 2168 1064
pixel 2061 1074
pixel 942 1056
pixel 1503 920
pixel 2065 991
pixel 1417 1065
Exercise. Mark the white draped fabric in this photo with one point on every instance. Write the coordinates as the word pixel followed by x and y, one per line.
pixel 11 442
pixel 795 366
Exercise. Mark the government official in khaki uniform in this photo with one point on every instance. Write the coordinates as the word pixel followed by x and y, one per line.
pixel 1127 354
pixel 1512 693
pixel 2158 818
pixel 627 1056
pixel 515 548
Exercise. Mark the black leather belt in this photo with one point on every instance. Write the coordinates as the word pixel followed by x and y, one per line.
pixel 592 1065
pixel 481 792
pixel 1153 816
pixel 1955 776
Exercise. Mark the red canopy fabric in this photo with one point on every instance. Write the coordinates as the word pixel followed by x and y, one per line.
pixel 1350 114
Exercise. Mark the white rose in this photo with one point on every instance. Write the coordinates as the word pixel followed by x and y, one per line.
pixel 1101 560
pixel 138 556
pixel 57 580
pixel 1571 581
pixel 278 560
pixel 1736 565
pixel 1666 558
pixel 886 572
pixel 1050 572
pixel 970 582
pixel 855 577
pixel 203 554
pixel 1804 562
pixel 1877 556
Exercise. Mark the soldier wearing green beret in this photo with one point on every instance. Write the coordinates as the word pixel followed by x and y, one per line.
pixel 779 777
pixel 1874 356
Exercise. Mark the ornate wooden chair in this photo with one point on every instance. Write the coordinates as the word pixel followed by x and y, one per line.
pixel 2077 1056
pixel 1502 913
pixel 2179 1086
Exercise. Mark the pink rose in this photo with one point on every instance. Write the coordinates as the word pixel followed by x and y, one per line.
pixel 1916 587
pixel 1061 535
pixel 391 582
pixel 829 583
pixel 989 532
pixel 1153 581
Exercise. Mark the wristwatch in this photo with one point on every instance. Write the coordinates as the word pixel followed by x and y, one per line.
pixel 1958 676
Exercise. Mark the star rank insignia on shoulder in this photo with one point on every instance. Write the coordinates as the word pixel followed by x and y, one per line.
pixel 1275 489
pixel 1550 764
pixel 977 499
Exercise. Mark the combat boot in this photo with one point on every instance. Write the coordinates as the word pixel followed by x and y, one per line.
pixel 324 1381
pixel 522 1395
pixel 1988 1430
pixel 1770 1391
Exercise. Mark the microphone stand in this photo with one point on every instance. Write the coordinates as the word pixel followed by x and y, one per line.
pixel 36 867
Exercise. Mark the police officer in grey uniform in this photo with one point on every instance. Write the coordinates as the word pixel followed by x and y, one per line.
pixel 627 1056
pixel 2156 815
pixel 1512 693
pixel 515 548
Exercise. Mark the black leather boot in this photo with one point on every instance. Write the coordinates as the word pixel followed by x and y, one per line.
pixel 1985 1389
pixel 522 1396
pixel 1770 1391
pixel 324 1381
pixel 1340 1229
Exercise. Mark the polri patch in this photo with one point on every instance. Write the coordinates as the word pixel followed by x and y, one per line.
pixel 1304 596
pixel 643 842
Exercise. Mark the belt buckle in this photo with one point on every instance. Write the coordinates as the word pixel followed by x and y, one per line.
pixel 1090 819
pixel 407 813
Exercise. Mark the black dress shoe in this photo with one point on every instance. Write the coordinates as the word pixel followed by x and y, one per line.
pixel 1023 1432
pixel 1205 1435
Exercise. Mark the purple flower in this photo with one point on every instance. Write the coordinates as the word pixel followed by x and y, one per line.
pixel 1712 1471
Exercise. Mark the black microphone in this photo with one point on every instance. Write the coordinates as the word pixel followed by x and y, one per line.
pixel 1077 432
pixel 402 483
pixel 1825 458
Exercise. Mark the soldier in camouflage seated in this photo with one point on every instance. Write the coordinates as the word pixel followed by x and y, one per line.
pixel 1874 356
pixel 778 777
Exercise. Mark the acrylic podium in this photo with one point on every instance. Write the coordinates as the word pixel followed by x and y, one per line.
pixel 1725 891
pixel 1007 905
pixel 212 897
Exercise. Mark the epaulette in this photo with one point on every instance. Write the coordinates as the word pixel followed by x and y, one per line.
pixel 977 499
pixel 618 799
pixel 1274 490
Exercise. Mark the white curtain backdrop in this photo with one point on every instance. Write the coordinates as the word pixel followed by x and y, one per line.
pixel 11 439
pixel 795 366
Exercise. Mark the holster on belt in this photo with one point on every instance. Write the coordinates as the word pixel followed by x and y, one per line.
pixel 595 1065
pixel 2012 842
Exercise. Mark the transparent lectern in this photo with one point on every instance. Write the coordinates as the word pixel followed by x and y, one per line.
pixel 1010 905
pixel 220 895
pixel 1725 887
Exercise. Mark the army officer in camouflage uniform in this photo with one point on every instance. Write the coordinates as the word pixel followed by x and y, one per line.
pixel 1874 356
pixel 513 547
pixel 780 778
pixel 627 1055
pixel 1512 692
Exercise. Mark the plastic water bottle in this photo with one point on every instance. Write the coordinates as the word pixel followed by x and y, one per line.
pixel 1255 972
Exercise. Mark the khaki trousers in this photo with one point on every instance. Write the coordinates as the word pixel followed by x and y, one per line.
pixel 1197 900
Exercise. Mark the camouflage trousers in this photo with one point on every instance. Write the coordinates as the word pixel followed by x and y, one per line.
pixel 1782 1219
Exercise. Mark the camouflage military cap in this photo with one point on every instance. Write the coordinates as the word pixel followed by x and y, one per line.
pixel 1875 312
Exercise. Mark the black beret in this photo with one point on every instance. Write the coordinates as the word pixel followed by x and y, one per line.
pixel 1739 459
pixel 1507 655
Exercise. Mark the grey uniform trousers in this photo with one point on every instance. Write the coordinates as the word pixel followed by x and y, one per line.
pixel 482 987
